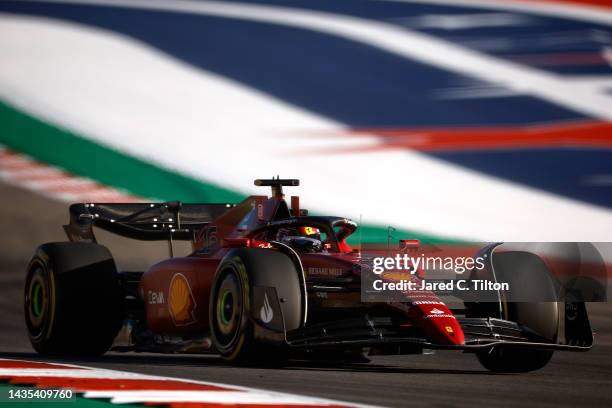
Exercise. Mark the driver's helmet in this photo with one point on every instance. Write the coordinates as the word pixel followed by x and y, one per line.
pixel 310 232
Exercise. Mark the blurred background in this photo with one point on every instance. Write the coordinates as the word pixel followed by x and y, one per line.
pixel 449 120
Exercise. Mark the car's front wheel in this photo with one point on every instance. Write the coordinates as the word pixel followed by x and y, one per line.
pixel 526 274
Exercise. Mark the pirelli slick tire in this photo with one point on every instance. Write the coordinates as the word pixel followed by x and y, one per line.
pixel 231 303
pixel 526 273
pixel 72 301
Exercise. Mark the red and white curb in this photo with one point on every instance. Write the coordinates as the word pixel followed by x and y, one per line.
pixel 20 170
pixel 120 387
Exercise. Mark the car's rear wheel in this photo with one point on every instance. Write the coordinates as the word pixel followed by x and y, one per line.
pixel 72 299
pixel 229 320
pixel 241 274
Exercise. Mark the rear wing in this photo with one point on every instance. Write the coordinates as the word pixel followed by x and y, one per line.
pixel 142 221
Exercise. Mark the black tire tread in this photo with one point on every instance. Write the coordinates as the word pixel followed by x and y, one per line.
pixel 87 299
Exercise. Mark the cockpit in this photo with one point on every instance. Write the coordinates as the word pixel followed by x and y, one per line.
pixel 270 219
pixel 310 234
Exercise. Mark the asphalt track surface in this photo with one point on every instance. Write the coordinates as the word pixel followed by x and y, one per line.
pixel 443 380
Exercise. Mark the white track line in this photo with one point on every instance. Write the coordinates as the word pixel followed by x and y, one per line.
pixel 224 394
pixel 209 397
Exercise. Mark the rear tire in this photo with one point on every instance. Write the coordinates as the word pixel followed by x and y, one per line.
pixel 231 300
pixel 232 332
pixel 526 273
pixel 72 301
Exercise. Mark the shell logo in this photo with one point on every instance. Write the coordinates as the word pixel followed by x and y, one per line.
pixel 181 302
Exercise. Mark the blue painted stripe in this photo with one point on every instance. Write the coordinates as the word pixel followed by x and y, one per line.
pixel 347 81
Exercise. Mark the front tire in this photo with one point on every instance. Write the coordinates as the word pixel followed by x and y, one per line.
pixel 514 360
pixel 526 273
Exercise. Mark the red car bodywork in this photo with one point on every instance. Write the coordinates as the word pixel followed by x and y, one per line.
pixel 176 291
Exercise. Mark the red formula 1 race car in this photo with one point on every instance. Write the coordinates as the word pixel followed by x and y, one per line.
pixel 265 282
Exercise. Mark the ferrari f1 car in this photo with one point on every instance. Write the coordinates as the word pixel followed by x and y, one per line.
pixel 265 282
